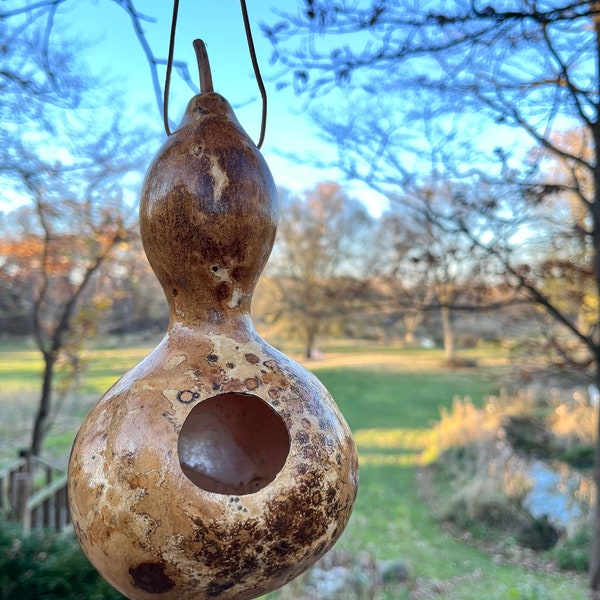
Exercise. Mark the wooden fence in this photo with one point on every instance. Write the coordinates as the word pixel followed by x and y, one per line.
pixel 34 493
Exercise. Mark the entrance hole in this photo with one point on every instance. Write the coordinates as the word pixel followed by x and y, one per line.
pixel 233 444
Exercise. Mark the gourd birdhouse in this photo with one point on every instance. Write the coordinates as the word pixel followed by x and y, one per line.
pixel 217 467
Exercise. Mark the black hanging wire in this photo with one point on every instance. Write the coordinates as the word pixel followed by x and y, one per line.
pixel 259 81
pixel 251 49
pixel 170 67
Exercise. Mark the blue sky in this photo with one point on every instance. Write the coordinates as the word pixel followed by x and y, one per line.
pixel 220 25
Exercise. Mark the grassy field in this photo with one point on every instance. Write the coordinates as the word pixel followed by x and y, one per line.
pixel 390 397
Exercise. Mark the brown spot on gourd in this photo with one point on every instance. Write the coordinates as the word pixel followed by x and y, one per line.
pixel 295 405
pixel 151 577
pixel 252 359
pixel 302 437
pixel 251 383
pixel 215 589
pixel 275 379
pixel 239 273
pixel 222 291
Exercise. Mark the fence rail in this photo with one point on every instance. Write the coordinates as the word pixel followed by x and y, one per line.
pixel 8 484
pixel 49 507
pixel 34 493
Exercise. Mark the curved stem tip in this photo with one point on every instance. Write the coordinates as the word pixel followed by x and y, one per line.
pixel 206 84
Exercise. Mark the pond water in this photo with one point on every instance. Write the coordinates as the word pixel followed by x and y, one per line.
pixel 560 492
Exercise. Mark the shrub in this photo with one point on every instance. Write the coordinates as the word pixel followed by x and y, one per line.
pixel 49 565
pixel 480 490
pixel 461 425
pixel 465 423
pixel 573 553
pixel 480 481
pixel 531 435
pixel 539 534
pixel 579 456
pixel 576 422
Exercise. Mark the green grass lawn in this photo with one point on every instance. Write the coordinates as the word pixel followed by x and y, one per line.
pixel 20 376
pixel 389 410
pixel 393 398
pixel 390 398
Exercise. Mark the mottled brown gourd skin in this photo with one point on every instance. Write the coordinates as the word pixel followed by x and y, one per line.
pixel 157 517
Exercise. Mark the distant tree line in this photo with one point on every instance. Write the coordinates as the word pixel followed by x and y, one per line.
pixel 336 270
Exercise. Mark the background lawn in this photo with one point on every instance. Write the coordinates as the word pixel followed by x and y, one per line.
pixel 390 408
pixel 390 398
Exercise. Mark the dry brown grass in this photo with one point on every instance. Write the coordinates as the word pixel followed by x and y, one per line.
pixel 575 422
pixel 464 424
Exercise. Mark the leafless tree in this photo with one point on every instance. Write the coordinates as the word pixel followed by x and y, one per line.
pixel 431 269
pixel 320 259
pixel 81 216
pixel 486 76
pixel 71 156
pixel 35 20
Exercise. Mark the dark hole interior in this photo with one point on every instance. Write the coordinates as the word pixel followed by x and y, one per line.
pixel 233 444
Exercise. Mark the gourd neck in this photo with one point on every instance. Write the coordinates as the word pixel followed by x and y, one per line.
pixel 233 324
pixel 222 303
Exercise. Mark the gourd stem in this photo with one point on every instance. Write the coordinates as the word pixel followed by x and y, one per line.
pixel 206 84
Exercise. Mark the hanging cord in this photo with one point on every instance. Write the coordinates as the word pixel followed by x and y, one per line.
pixel 204 68
pixel 259 81
pixel 170 67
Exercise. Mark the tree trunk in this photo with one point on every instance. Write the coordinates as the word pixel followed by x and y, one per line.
pixel 448 333
pixel 40 425
pixel 310 344
pixel 594 572
pixel 411 322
